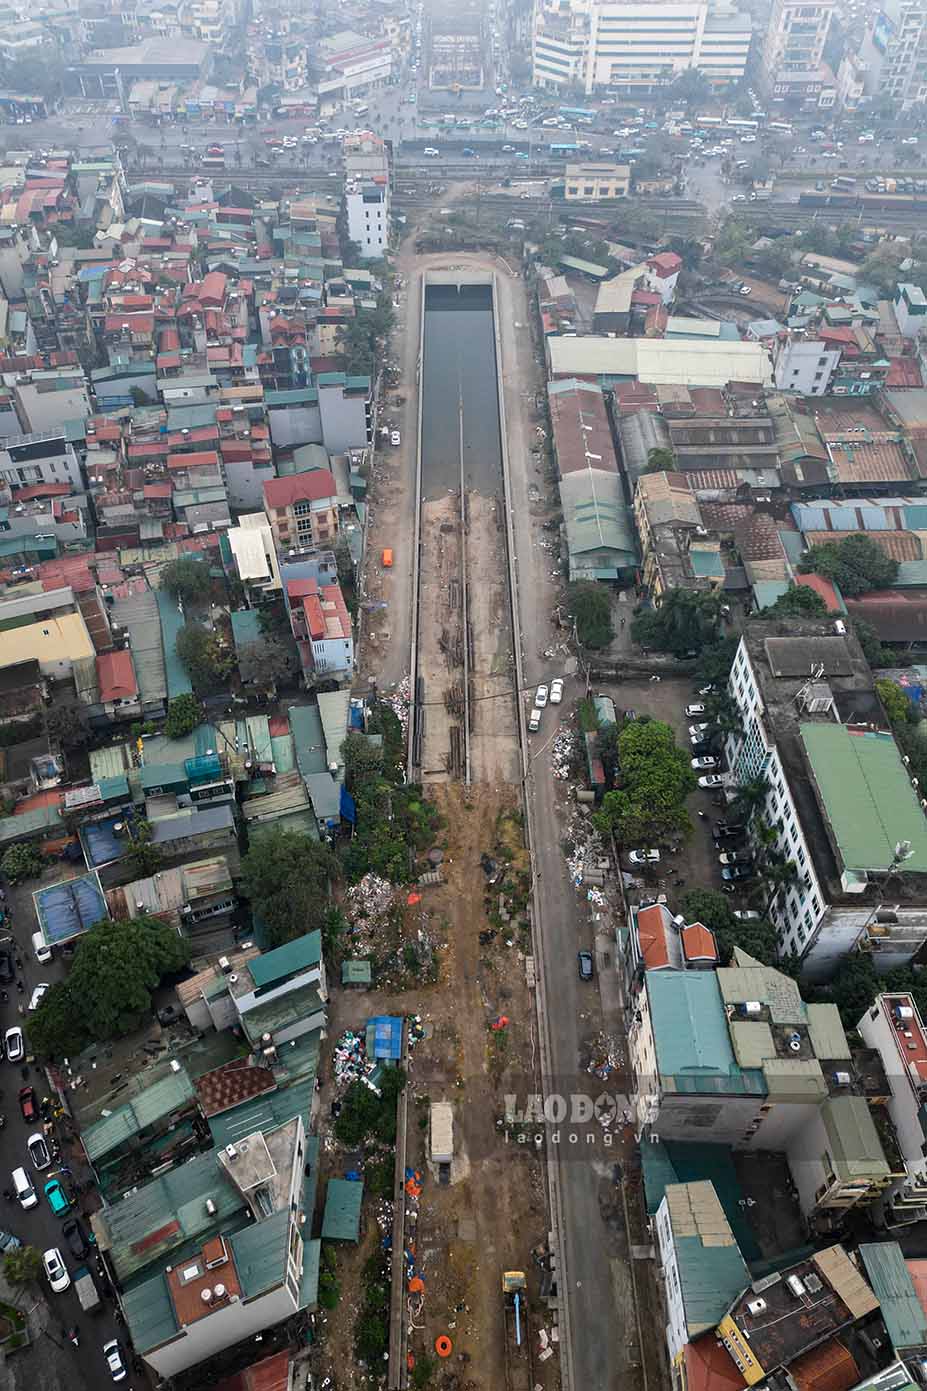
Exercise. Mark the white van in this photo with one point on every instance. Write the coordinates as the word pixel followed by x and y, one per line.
pixel 23 1189
pixel 43 951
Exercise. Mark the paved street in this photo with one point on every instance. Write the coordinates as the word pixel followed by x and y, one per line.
pixel 39 1227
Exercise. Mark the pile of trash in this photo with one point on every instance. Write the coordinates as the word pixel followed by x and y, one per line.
pixel 383 1216
pixel 563 752
pixel 586 845
pixel 605 1057
pixel 398 702
pixel 367 905
pixel 350 1061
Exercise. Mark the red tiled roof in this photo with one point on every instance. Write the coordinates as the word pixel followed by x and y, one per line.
pixel 315 623
pixel 231 1084
pixel 53 797
pixel 157 490
pixel 665 263
pixel 698 943
pixel 300 487
pixel 39 490
pixel 212 290
pixel 195 459
pixel 116 675
pixel 903 371
pixel 651 934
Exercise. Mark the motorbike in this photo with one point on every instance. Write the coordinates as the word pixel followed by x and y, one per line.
pixel 74 1336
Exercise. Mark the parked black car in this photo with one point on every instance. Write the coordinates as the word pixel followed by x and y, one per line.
pixel 6 967
pixel 584 959
pixel 76 1238
pixel 736 873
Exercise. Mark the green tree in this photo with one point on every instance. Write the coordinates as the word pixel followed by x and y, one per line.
pixel 749 798
pixel 713 666
pixel 691 87
pixel 267 662
pixel 67 725
pixel 287 876
pixel 686 620
pixel 798 601
pixel 184 714
pixel 363 761
pixel 854 987
pixel 187 579
pixel 367 1119
pixel 590 606
pixel 895 703
pixel 21 862
pixel 329 1285
pixel 876 655
pixel 108 989
pixel 857 564
pixel 655 779
pixel 713 910
pixel 203 659
pixel 660 460
pixel 144 857
pixel 22 1266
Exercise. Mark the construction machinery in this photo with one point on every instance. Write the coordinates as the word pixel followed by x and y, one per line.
pixel 519 1374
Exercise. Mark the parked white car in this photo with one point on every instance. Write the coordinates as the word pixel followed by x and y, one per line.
pixel 55 1270
pixel 541 696
pixel 644 857
pixel 556 691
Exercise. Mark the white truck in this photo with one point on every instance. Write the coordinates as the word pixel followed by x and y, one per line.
pixel 87 1291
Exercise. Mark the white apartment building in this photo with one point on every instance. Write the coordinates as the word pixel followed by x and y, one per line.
pixel 838 794
pixel 367 194
pixel 804 365
pixel 636 46
pixel 795 39
pixel 893 1026
pixel 894 50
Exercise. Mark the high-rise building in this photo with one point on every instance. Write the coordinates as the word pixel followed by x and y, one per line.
pixel 895 52
pixel 636 47
pixel 793 54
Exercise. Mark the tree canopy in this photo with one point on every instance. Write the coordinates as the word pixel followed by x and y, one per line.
pixel 654 780
pixel 187 579
pixel 857 564
pixel 204 660
pixel 267 662
pixel 686 620
pixel 108 989
pixel 659 460
pixel 184 714
pixel 895 703
pixel 21 862
pixel 798 601
pixel 287 876
pixel 68 726
pixel 591 608
pixel 714 911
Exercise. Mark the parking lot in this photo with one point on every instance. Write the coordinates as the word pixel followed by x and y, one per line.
pixel 695 863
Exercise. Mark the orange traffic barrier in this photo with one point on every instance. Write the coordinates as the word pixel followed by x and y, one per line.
pixel 443 1346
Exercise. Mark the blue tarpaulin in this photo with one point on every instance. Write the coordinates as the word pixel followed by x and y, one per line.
pixel 348 808
pixel 387 1037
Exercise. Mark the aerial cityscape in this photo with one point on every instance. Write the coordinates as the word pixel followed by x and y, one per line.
pixel 463 695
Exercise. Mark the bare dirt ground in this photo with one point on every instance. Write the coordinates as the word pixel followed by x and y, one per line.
pixel 494 748
pixel 493 1214
pixel 441 636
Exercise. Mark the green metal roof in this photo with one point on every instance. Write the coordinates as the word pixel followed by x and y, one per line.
pixel 893 1287
pixel 149 1313
pixel 31 823
pixel 168 1211
pixel 596 516
pixel 712 1272
pixel 273 967
pixel 246 627
pixel 356 973
pixel 343 1201
pixel 169 1094
pixel 867 796
pixel 855 1147
pixel 260 1253
pixel 285 1010
pixel 263 1113
pixel 163 775
pixel 689 1023
pixel 309 1284
pixel 178 682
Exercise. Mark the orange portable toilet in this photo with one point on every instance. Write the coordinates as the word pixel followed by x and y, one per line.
pixel 387 558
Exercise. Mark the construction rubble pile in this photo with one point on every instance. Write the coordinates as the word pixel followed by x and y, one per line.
pixel 367 905
pixel 563 754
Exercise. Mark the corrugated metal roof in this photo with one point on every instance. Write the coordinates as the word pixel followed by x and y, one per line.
pixel 260 1253
pixel 842 1275
pixel 303 954
pixel 308 738
pixel 828 1036
pixel 712 1272
pixel 264 1112
pixel 149 1314
pixel 855 1148
pixel 170 1093
pixel 167 1211
pixel 178 682
pixel 893 1287
pixel 867 796
pixel 343 1201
